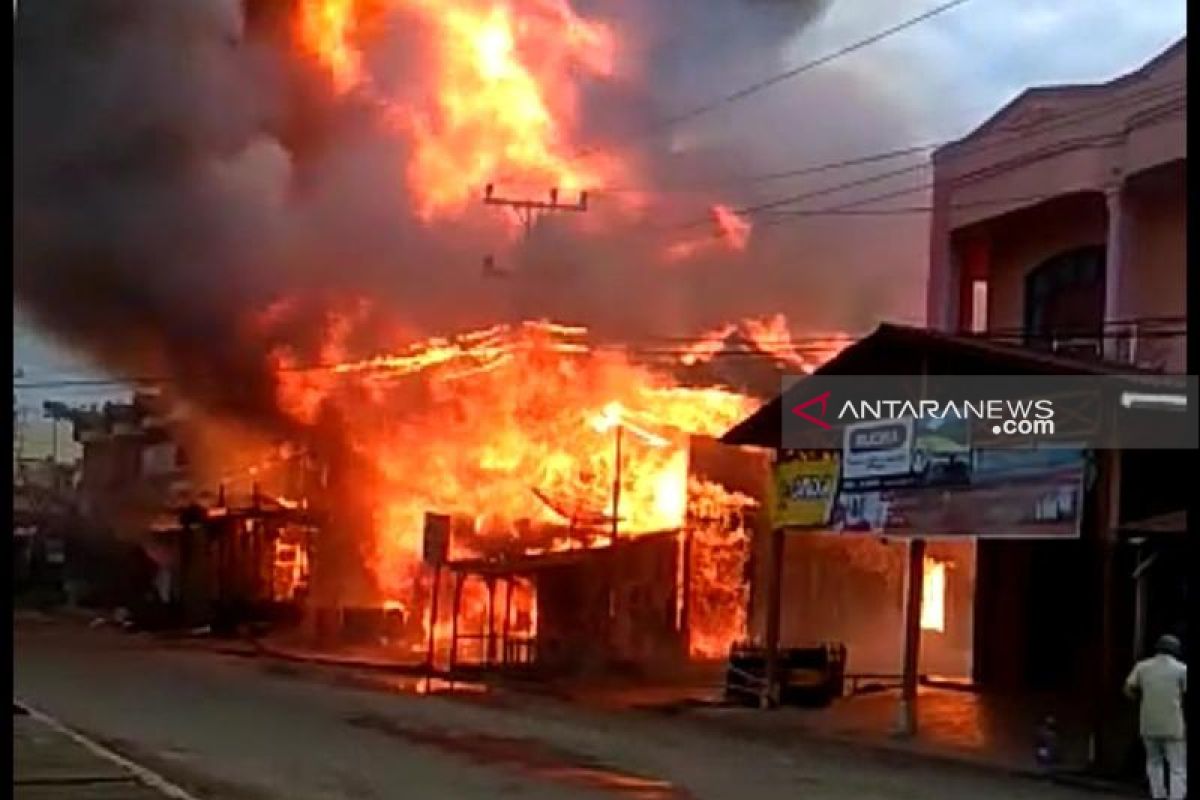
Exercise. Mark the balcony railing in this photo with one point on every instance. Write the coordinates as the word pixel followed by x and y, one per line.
pixel 1156 343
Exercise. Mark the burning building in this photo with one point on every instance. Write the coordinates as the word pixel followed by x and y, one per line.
pixel 546 449
pixel 287 228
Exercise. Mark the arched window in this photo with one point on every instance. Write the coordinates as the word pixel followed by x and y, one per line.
pixel 1064 300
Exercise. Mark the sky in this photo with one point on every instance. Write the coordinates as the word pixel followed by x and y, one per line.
pixel 954 71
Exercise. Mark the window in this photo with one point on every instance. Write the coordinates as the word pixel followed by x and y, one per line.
pixel 1064 301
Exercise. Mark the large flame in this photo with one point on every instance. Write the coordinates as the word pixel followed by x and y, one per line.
pixel 514 428
pixel 501 96
pixel 770 335
pixel 326 30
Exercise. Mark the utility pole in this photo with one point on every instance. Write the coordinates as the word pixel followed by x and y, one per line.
pixel 527 211
pixel 616 491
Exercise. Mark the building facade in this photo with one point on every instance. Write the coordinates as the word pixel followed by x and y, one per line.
pixel 1060 222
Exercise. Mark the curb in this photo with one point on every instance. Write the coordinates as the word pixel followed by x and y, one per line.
pixel 142 775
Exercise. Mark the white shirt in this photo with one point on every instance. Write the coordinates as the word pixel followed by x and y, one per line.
pixel 1161 682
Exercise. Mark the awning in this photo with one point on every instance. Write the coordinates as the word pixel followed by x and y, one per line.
pixel 528 564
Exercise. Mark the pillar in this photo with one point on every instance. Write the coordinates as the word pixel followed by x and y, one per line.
pixel 770 696
pixel 1114 262
pixel 941 290
pixel 906 723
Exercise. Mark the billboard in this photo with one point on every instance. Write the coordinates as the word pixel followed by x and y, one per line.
pixel 803 488
pixel 949 492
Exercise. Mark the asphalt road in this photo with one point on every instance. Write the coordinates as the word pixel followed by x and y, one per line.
pixel 245 729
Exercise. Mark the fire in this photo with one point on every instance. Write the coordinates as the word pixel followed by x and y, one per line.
pixel 502 98
pixel 770 335
pixel 933 603
pixel 729 230
pixel 325 29
pixel 512 430
pixel 732 228
pixel 719 593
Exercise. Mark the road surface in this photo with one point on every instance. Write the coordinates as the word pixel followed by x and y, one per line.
pixel 221 726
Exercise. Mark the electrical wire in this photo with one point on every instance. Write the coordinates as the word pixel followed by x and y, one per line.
pixel 1067 120
pixel 766 83
pixel 680 346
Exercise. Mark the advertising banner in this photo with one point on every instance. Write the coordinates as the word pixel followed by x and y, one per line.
pixel 988 493
pixel 803 489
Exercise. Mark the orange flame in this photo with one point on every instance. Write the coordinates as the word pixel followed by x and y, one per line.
pixel 729 231
pixel 771 336
pixel 502 99
pixel 508 424
pixel 732 228
pixel 325 29
pixel 933 603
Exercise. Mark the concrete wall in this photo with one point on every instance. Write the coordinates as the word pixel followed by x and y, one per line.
pixel 1061 142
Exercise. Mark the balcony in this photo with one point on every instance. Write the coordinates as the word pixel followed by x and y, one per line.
pixel 1152 343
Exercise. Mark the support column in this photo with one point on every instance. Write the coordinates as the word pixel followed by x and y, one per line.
pixel 490 652
pixel 906 724
pixel 941 290
pixel 504 647
pixel 456 605
pixel 1114 271
pixel 770 695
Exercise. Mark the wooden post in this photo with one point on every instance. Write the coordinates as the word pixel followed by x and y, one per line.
pixel 508 590
pixel 433 609
pixel 770 692
pixel 685 589
pixel 456 604
pixel 907 721
pixel 490 653
pixel 616 490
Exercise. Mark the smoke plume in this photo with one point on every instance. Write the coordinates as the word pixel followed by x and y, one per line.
pixel 179 168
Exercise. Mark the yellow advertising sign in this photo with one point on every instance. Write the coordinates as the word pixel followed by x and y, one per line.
pixel 803 490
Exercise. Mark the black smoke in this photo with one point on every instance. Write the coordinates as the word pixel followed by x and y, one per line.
pixel 178 167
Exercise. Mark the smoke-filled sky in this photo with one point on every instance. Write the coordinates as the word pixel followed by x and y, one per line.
pixel 161 195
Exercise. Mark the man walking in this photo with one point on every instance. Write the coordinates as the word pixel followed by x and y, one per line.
pixel 1159 684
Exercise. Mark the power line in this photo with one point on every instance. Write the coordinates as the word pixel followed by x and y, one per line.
pixel 772 80
pixel 812 169
pixel 1174 327
pixel 766 83
pixel 1069 119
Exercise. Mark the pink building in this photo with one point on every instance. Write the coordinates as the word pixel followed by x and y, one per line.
pixel 1061 221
